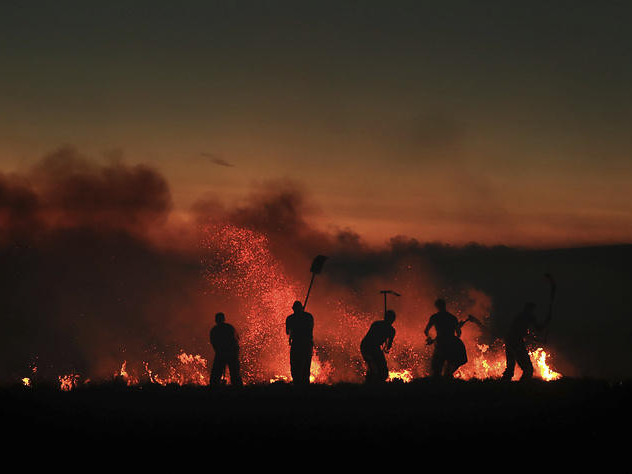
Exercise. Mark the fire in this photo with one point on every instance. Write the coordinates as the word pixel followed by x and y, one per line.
pixel 68 382
pixel 192 369
pixel 125 376
pixel 242 269
pixel 483 364
pixel 319 372
pixel 541 367
pixel 26 381
pixel 488 364
pixel 403 375
pixel 185 369
pixel 281 378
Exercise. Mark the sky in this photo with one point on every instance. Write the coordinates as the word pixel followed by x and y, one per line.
pixel 452 121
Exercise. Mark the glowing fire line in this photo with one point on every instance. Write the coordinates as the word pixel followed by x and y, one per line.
pixel 240 265
pixel 193 369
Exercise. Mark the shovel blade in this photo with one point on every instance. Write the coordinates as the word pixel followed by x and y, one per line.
pixel 317 264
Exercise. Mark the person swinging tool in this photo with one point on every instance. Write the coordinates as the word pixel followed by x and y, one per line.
pixel 378 340
pixel 299 326
pixel 449 352
pixel 515 349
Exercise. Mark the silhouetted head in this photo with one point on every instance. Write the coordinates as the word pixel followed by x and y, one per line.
pixel 440 304
pixel 389 316
pixel 529 307
pixel 220 318
pixel 297 307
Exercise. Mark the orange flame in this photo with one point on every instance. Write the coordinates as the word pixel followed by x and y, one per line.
pixel 68 382
pixel 193 369
pixel 400 375
pixel 486 365
pixel 241 265
pixel 538 358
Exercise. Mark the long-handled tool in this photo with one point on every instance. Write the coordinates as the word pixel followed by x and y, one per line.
pixel 549 316
pixel 471 319
pixel 388 292
pixel 430 341
pixel 386 345
pixel 316 268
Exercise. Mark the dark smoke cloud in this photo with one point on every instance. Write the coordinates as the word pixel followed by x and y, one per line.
pixel 85 283
pixel 19 208
pixel 66 190
pixel 82 282
pixel 78 193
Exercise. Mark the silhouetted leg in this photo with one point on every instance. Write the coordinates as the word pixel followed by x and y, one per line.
pixel 235 375
pixel 308 365
pixel 294 363
pixel 456 356
pixel 300 364
pixel 219 364
pixel 368 360
pixel 450 369
pixel 381 367
pixel 437 362
pixel 511 363
pixel 370 373
pixel 524 362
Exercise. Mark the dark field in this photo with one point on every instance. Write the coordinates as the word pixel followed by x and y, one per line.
pixel 424 414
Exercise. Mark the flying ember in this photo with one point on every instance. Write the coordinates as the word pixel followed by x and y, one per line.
pixel 241 268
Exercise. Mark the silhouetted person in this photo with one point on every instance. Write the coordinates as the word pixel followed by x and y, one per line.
pixel 299 326
pixel 515 348
pixel 225 342
pixel 378 340
pixel 449 352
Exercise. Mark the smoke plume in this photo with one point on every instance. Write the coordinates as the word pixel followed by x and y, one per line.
pixel 92 276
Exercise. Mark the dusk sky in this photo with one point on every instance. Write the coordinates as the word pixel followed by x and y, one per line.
pixel 451 121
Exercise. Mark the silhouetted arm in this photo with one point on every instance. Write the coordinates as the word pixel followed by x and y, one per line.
pixel 428 327
pixel 469 318
pixel 427 330
pixel 540 326
pixel 288 331
pixel 389 342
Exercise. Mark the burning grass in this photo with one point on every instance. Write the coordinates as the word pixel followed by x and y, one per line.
pixel 241 268
pixel 193 370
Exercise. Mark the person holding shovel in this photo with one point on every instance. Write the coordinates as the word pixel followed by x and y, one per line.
pixel 299 326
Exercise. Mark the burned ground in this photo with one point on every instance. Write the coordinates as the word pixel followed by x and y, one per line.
pixel 278 418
